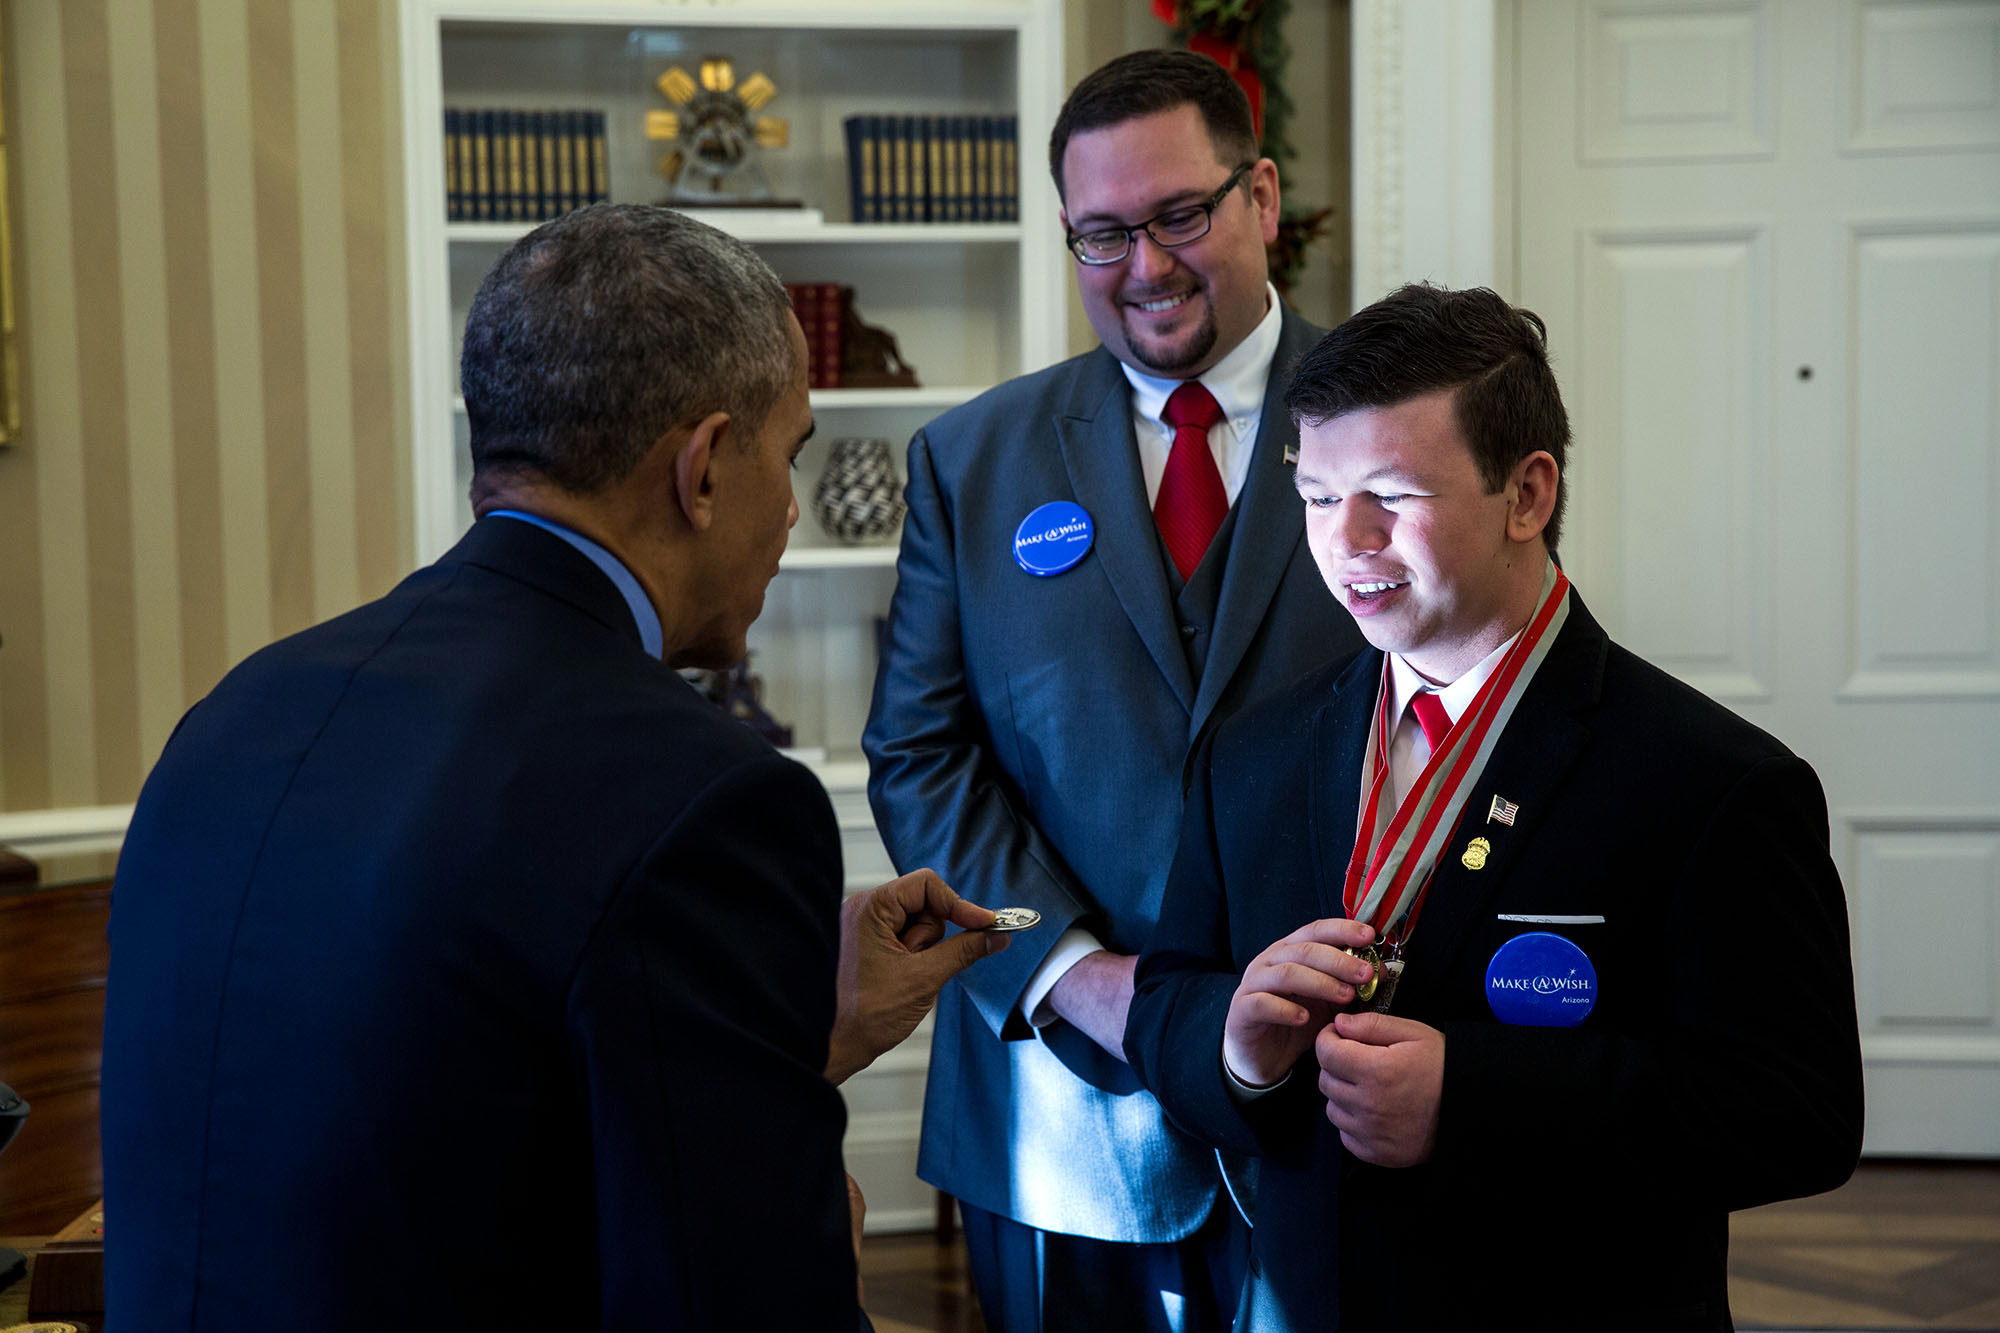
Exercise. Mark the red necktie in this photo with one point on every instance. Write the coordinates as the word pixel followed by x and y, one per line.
pixel 1432 718
pixel 1191 503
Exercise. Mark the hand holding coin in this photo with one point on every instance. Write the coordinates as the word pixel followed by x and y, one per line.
pixel 894 958
pixel 1015 918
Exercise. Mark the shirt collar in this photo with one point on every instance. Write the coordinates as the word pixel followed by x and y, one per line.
pixel 1238 380
pixel 1405 684
pixel 643 614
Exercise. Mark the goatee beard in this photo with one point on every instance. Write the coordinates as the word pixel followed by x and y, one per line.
pixel 1200 342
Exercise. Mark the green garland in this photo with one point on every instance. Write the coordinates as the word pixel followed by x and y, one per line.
pixel 1255 29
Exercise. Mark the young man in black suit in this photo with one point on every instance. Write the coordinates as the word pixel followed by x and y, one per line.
pixel 468 969
pixel 1517 963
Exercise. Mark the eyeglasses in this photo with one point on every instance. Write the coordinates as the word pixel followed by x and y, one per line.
pixel 1176 226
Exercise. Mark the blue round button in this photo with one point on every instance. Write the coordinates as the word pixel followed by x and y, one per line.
pixel 1541 980
pixel 1053 538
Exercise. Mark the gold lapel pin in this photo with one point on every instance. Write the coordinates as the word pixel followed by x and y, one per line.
pixel 1476 853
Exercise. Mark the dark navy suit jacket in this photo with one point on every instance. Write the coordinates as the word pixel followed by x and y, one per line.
pixel 469 971
pixel 1027 740
pixel 1582 1176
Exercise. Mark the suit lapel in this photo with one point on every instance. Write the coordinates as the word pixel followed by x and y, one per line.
pixel 1095 432
pixel 1270 525
pixel 1528 768
pixel 1339 742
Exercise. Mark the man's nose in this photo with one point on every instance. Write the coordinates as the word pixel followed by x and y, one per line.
pixel 1149 259
pixel 1360 529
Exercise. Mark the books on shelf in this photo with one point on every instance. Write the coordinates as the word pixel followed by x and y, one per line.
pixel 933 168
pixel 507 164
pixel 820 308
pixel 844 351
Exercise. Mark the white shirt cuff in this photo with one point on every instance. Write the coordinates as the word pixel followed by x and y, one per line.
pixel 1249 1092
pixel 1069 950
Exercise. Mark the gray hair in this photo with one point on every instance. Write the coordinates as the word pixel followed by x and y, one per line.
pixel 602 330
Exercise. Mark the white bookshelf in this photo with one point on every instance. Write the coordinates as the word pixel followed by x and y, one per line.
pixel 970 304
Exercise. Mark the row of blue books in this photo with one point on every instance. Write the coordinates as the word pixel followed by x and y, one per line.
pixel 933 168
pixel 511 165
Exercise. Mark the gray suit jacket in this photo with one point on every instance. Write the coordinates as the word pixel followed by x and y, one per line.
pixel 1027 741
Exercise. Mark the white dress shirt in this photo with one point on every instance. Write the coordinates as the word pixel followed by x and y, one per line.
pixel 1409 750
pixel 1237 382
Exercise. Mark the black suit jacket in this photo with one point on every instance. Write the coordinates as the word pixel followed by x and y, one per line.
pixel 469 971
pixel 1027 740
pixel 1582 1176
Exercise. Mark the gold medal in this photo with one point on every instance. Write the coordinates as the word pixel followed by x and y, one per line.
pixel 1366 990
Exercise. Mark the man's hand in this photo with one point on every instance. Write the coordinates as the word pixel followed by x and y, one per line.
pixel 894 960
pixel 1095 995
pixel 1382 1078
pixel 1288 993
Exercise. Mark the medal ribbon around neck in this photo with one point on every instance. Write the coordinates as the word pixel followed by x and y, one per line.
pixel 1386 889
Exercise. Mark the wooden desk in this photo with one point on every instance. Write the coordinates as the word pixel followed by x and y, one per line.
pixel 70 1268
pixel 14 1300
pixel 53 958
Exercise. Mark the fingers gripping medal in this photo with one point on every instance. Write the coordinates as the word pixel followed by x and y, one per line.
pixel 1369 954
pixel 1379 991
pixel 1014 918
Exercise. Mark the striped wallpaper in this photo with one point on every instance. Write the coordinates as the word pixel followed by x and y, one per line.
pixel 206 204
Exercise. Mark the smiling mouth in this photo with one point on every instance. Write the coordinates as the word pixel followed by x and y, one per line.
pixel 1163 304
pixel 1368 592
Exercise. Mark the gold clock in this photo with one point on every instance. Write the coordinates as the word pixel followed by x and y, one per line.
pixel 717 134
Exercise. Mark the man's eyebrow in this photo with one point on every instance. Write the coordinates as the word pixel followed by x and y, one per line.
pixel 1301 477
pixel 1394 474
pixel 1166 204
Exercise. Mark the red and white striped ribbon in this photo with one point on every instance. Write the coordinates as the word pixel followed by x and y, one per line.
pixel 1395 850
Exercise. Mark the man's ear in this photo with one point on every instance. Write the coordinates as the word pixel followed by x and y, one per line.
pixel 1534 489
pixel 1264 194
pixel 694 469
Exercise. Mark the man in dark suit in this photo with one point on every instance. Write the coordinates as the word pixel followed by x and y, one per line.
pixel 468 969
pixel 1046 671
pixel 1610 998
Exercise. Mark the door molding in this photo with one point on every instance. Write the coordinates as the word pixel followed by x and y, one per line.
pixel 1433 144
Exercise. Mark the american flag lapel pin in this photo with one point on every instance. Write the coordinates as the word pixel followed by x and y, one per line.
pixel 1502 811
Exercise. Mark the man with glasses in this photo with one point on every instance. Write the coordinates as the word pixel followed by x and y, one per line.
pixel 1101 560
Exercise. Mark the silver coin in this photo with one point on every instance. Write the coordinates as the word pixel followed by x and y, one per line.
pixel 1015 918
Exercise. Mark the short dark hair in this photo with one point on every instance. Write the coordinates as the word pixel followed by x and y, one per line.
pixel 1142 83
pixel 1419 339
pixel 602 330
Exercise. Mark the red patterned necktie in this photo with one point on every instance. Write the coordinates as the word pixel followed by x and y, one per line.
pixel 1191 503
pixel 1432 718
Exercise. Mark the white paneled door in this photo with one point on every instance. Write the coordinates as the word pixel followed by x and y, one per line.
pixel 1766 238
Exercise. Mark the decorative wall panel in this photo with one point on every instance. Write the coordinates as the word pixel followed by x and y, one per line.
pixel 1685 82
pixel 1922 76
pixel 1926 435
pixel 1681 459
pixel 1925 894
